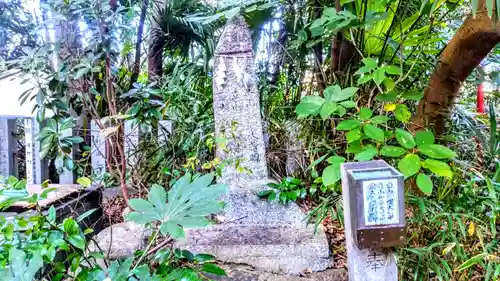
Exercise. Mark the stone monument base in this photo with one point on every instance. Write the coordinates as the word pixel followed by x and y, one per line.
pixel 266 235
pixel 247 273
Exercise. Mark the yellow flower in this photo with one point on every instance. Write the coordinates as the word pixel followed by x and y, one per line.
pixel 471 229
pixel 390 107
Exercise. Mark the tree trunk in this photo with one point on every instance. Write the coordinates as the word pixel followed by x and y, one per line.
pixel 155 52
pixel 318 52
pixel 138 44
pixel 468 47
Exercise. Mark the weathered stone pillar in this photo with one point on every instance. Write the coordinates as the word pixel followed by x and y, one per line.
pixel 268 236
pixel 295 158
pixel 97 149
pixel 36 168
pixel 7 146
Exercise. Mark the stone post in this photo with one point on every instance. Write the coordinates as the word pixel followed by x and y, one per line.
pixel 7 146
pixel 68 177
pixel 131 139
pixel 165 130
pixel 267 236
pixel 97 148
pixel 370 264
pixel 36 168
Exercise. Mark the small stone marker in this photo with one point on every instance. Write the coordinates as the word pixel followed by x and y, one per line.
pixel 7 146
pixel 266 235
pixel 374 219
pixel 98 148
pixel 68 177
pixel 36 168
pixel 165 130
pixel 132 138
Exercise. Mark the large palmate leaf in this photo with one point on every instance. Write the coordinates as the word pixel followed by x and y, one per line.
pixel 186 205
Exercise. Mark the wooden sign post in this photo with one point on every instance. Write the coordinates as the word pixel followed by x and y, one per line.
pixel 373 194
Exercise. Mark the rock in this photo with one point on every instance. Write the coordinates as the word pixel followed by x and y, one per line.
pixel 127 237
pixel 247 273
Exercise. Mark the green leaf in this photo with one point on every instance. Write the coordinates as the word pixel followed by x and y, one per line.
pixel 309 105
pixel 405 139
pixel 354 147
pixel 347 125
pixel 353 135
pixel 70 226
pixel 341 111
pixel 74 139
pixel 84 181
pixel 409 165
pixel 474 260
pixel 202 258
pixel 389 84
pixel 373 132
pixel 75 263
pixel 436 151
pixel 370 62
pixel 141 205
pixel 331 174
pixel 8 232
pixel 327 109
pixel 379 76
pixel 330 91
pixel 214 269
pixel 174 230
pixel 413 95
pixel 86 214
pixel 365 113
pixel 379 119
pixel 402 113
pixel 189 203
pixel 158 197
pixel 335 159
pixel 424 137
pixel 424 182
pixel 364 78
pixel 334 93
pixel 366 154
pixel 392 69
pixel 77 240
pixel 392 151
pixel 387 97
pixel 438 167
pixel 363 70
pixel 348 104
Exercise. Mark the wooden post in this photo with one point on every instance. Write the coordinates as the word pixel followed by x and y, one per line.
pixel 370 263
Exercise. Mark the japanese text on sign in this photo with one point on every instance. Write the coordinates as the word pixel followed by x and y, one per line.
pixel 380 202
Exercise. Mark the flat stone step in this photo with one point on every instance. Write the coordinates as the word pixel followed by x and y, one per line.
pixel 247 273
pixel 280 249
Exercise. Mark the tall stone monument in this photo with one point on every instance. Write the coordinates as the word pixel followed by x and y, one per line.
pixel 267 236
